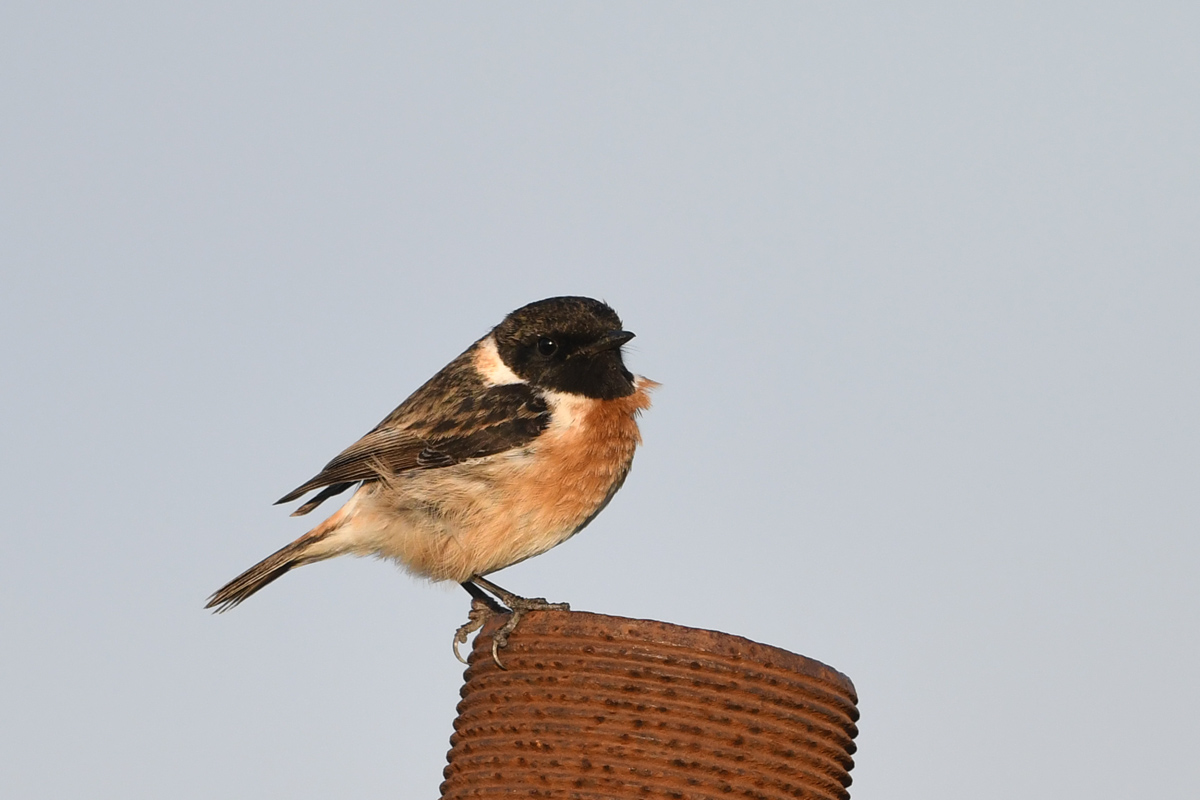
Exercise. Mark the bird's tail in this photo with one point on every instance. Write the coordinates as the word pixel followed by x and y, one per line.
pixel 312 546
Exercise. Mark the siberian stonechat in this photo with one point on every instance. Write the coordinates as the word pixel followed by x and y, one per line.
pixel 509 450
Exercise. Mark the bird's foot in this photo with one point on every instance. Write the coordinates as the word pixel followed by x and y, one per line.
pixel 483 607
pixel 519 606
pixel 481 611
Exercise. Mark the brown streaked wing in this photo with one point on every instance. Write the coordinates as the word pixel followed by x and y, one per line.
pixel 497 419
pixel 386 447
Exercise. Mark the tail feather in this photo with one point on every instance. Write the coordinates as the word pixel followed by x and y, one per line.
pixel 258 576
pixel 302 551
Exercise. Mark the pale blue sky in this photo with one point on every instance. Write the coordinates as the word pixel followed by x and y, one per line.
pixel 921 286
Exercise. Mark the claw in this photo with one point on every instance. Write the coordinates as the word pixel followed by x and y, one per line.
pixel 519 607
pixel 500 637
pixel 496 652
pixel 476 617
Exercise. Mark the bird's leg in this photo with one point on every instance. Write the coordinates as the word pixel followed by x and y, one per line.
pixel 514 601
pixel 482 607
pixel 518 605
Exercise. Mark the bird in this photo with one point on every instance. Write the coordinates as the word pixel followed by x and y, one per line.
pixel 508 451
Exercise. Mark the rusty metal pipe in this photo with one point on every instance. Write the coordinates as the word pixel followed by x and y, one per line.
pixel 593 706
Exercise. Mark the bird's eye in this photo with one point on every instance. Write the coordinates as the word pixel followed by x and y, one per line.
pixel 546 346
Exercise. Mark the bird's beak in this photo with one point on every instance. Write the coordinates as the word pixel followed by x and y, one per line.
pixel 610 341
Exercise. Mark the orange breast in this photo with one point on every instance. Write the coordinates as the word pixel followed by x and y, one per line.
pixel 578 461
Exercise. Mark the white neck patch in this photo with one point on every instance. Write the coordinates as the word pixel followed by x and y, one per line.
pixel 567 410
pixel 491 367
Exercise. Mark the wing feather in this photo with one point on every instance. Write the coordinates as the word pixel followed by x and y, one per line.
pixel 468 422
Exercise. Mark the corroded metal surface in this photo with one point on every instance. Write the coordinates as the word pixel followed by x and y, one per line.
pixel 606 707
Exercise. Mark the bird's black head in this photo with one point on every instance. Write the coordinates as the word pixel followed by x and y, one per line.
pixel 567 344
